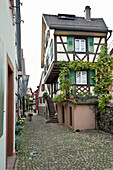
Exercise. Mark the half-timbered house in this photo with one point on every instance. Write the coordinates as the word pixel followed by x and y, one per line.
pixel 69 38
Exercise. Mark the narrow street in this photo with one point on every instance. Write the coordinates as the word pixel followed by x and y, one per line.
pixel 59 148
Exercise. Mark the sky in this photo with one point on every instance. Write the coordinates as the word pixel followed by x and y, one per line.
pixel 31 13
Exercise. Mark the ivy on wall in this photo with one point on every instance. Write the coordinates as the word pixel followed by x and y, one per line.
pixel 64 84
pixel 103 77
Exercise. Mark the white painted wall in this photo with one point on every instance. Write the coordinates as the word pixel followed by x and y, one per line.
pixel 40 92
pixel 7 39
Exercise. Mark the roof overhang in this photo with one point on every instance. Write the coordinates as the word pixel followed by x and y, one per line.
pixel 52 73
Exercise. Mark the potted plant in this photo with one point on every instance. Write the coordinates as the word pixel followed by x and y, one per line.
pixel 45 94
pixel 72 93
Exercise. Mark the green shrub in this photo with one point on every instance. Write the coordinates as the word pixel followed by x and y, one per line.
pixel 18 129
pixel 18 142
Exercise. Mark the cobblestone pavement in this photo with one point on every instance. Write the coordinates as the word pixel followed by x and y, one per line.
pixel 60 149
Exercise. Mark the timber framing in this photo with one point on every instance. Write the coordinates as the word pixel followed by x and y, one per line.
pixel 75 54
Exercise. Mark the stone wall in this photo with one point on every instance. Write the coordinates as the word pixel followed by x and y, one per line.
pixel 105 120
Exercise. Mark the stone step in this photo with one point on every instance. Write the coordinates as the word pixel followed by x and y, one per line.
pixel 52 121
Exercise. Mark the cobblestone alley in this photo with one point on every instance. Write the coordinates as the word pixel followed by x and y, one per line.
pixel 59 148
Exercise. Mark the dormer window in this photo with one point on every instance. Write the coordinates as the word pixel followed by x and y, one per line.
pixel 80 45
pixel 66 16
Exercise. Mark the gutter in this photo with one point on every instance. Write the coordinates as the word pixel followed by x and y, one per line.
pixel 110 31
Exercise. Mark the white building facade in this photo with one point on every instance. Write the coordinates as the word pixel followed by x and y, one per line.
pixel 8 84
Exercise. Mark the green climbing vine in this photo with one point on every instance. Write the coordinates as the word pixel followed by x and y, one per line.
pixel 103 77
pixel 64 83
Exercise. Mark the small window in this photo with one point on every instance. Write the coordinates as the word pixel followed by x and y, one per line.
pixel 81 77
pixel 80 45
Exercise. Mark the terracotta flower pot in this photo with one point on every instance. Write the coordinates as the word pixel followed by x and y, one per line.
pixel 72 96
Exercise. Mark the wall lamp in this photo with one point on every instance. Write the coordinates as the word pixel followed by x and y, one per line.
pixel 16 6
pixel 11 7
pixel 20 22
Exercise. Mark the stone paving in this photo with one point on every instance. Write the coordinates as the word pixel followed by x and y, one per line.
pixel 60 149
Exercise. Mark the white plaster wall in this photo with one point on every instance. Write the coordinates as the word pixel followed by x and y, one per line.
pixel 40 93
pixel 7 37
pixel 3 138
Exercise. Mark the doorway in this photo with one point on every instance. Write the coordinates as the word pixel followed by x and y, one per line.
pixel 10 110
pixel 70 111
pixel 63 115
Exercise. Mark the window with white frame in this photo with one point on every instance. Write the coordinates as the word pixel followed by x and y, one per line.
pixel 80 45
pixel 81 77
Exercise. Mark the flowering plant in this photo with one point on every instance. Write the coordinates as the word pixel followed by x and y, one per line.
pixel 20 122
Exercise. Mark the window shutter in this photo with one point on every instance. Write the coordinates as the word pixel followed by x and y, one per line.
pixel 72 76
pixel 70 43
pixel 92 73
pixel 90 44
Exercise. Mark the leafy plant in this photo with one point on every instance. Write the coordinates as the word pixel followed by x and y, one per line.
pixel 64 83
pixel 60 98
pixel 18 129
pixel 103 98
pixel 18 142
pixel 111 122
pixel 45 94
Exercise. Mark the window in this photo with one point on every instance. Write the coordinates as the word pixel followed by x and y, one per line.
pixel 47 62
pixel 51 49
pixel 80 45
pixel 81 77
pixel 47 38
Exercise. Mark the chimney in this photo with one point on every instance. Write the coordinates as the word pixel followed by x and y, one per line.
pixel 87 13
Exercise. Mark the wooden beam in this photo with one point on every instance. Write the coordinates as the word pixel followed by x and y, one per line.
pixel 80 33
